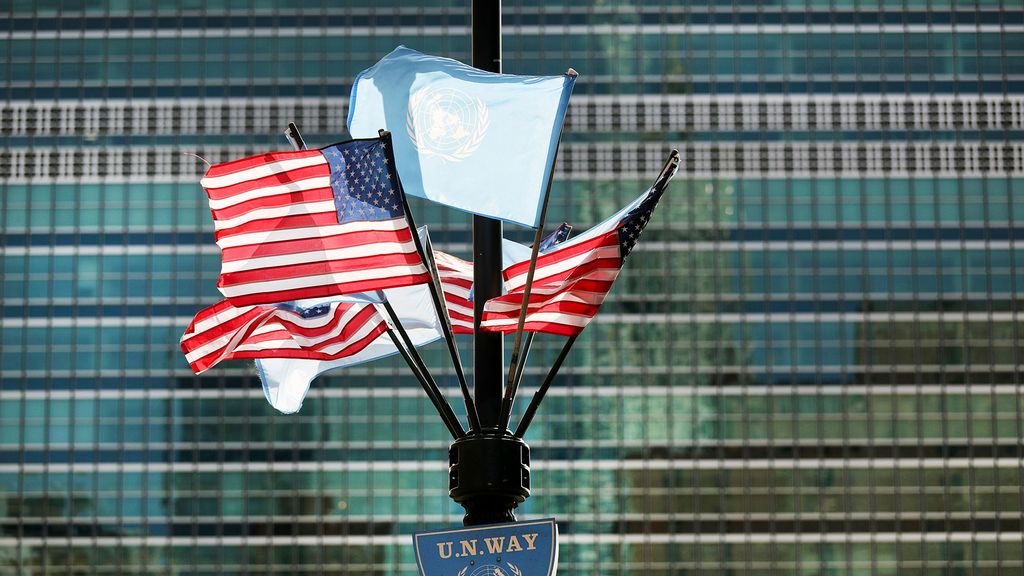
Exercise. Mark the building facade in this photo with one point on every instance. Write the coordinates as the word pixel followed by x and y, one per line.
pixel 811 364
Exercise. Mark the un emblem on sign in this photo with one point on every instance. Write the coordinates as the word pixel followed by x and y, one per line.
pixel 446 123
pixel 491 570
pixel 517 549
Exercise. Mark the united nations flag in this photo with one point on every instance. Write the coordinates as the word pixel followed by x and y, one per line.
pixel 474 140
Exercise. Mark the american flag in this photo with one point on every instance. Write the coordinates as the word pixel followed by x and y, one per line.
pixel 312 223
pixel 571 281
pixel 326 331
pixel 457 279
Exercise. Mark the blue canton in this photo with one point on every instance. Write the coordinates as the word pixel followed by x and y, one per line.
pixel 635 221
pixel 314 311
pixel 561 234
pixel 311 312
pixel 363 181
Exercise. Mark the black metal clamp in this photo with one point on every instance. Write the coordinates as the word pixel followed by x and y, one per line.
pixel 489 475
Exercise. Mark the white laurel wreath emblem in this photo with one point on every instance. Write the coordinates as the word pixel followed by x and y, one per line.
pixel 420 105
pixel 515 569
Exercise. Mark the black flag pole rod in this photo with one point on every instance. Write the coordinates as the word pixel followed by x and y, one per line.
pixel 531 410
pixel 512 385
pixel 435 294
pixel 668 170
pixel 430 387
pixel 293 136
pixel 525 354
pixel 521 367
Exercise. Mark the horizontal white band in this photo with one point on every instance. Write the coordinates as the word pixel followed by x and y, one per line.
pixel 455 290
pixel 548 317
pixel 363 251
pixel 296 186
pixel 301 209
pixel 460 309
pixel 268 236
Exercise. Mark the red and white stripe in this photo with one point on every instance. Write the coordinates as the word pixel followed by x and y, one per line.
pixel 224 332
pixel 276 224
pixel 569 287
pixel 456 281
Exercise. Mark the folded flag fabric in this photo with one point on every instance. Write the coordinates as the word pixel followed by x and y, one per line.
pixel 312 223
pixel 286 381
pixel 572 280
pixel 457 276
pixel 460 131
pixel 456 281
pixel 326 331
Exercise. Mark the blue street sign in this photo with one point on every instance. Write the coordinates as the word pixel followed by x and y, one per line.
pixel 516 549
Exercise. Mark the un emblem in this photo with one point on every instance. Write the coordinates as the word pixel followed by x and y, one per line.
pixel 516 549
pixel 446 123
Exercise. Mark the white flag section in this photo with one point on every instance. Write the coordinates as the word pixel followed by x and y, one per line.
pixel 286 380
pixel 513 253
pixel 473 140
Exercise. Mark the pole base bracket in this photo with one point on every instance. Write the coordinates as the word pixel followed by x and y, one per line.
pixel 489 475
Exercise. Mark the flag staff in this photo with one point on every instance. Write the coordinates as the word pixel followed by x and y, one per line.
pixel 408 351
pixel 538 396
pixel 436 297
pixel 521 367
pixel 528 343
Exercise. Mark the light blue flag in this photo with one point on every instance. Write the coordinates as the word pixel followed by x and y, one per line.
pixel 473 140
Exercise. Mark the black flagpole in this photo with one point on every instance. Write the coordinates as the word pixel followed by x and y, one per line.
pixel 436 295
pixel 525 354
pixel 521 367
pixel 510 386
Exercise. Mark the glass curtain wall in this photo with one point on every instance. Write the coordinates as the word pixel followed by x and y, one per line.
pixel 811 364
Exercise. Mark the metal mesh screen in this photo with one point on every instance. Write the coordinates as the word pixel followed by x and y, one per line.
pixel 811 363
